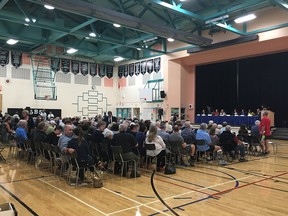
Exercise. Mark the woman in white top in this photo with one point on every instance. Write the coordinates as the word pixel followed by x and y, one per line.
pixel 153 138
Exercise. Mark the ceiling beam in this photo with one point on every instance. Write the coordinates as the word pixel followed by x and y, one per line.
pixel 108 15
pixel 281 3
pixel 3 3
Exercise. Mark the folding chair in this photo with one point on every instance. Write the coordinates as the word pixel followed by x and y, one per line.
pixel 199 144
pixel 2 147
pixel 150 148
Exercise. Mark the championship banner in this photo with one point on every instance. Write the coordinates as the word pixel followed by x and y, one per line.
pixel 102 70
pixel 16 59
pixel 131 69
pixel 65 65
pixel 143 67
pixel 120 71
pixel 157 63
pixel 55 64
pixel 109 71
pixel 4 57
pixel 150 66
pixel 137 68
pixel 75 67
pixel 93 69
pixel 84 68
pixel 126 70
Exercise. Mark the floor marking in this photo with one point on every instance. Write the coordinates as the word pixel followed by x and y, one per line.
pixel 68 194
pixel 135 201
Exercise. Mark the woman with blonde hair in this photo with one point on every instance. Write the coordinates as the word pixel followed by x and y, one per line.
pixel 153 138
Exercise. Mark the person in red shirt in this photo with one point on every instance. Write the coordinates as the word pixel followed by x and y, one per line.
pixel 265 132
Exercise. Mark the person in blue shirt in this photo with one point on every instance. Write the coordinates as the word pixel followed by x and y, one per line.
pixel 21 133
pixel 255 129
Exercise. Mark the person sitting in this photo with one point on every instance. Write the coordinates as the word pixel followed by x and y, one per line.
pixel 140 138
pixel 202 134
pixel 216 113
pixel 53 137
pixel 255 129
pixel 243 130
pixel 242 113
pixel 222 113
pixel 127 142
pixel 235 113
pixel 213 136
pixel 162 132
pixel 108 139
pixel 21 134
pixel 85 158
pixel 153 138
pixel 203 113
pixel 250 113
pixel 186 148
pixel 7 130
pixel 232 144
pixel 187 133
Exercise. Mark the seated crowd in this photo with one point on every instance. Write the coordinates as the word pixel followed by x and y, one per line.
pixel 235 112
pixel 75 135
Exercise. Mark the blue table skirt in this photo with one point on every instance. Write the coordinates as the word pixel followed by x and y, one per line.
pixel 232 120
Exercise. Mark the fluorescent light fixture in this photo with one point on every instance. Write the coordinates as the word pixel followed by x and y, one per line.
pixel 182 0
pixel 71 50
pixel 12 41
pixel 222 25
pixel 118 59
pixel 217 19
pixel 138 49
pixel 92 34
pixel 49 7
pixel 26 24
pixel 170 39
pixel 245 18
pixel 87 38
pixel 116 25
pixel 27 19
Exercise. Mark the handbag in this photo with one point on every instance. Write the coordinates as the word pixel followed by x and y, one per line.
pixel 170 168
pixel 97 179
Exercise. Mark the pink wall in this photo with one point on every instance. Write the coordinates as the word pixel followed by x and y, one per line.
pixel 181 74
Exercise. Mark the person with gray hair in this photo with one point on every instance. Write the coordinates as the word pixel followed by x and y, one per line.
pixel 128 143
pixel 21 133
pixel 255 130
pixel 162 132
pixel 231 144
pixel 188 134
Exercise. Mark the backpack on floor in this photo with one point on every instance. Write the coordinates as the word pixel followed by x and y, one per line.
pixel 97 178
pixel 170 168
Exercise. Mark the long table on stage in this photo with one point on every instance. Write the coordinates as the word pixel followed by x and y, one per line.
pixel 232 120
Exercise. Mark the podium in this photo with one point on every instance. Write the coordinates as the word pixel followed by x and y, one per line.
pixel 270 116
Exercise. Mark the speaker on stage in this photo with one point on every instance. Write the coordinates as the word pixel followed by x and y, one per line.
pixel 160 112
pixel 162 94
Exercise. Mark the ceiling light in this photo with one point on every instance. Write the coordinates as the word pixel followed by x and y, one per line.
pixel 87 38
pixel 245 18
pixel 170 39
pixel 217 19
pixel 26 24
pixel 116 25
pixel 138 49
pixel 182 0
pixel 33 20
pixel 27 19
pixel 222 25
pixel 49 7
pixel 118 59
pixel 12 41
pixel 71 50
pixel 92 34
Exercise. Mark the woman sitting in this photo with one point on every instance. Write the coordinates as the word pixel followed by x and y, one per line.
pixel 153 138
pixel 85 159
pixel 7 130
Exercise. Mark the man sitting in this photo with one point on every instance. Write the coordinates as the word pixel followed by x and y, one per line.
pixel 187 133
pixel 128 142
pixel 230 143
pixel 162 133
pixel 186 148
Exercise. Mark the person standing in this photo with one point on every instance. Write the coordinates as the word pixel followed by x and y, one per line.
pixel 265 131
pixel 110 118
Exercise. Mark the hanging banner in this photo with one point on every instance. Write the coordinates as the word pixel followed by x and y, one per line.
pixel 4 57
pixel 143 67
pixel 120 71
pixel 93 69
pixel 131 69
pixel 157 63
pixel 137 68
pixel 55 64
pixel 150 66
pixel 75 67
pixel 126 70
pixel 16 59
pixel 102 70
pixel 109 71
pixel 65 65
pixel 84 68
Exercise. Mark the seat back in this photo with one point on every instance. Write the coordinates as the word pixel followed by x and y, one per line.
pixel 117 152
pixel 104 146
pixel 175 148
pixel 150 146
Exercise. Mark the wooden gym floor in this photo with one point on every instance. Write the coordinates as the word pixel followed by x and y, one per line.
pixel 258 187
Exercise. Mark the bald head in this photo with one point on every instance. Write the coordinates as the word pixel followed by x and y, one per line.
pixel 68 130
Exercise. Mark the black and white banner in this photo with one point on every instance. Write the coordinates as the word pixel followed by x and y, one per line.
pixel 102 70
pixel 75 67
pixel 143 67
pixel 84 68
pixel 4 57
pixel 157 63
pixel 65 65
pixel 137 68
pixel 131 69
pixel 109 71
pixel 55 64
pixel 93 69
pixel 150 66
pixel 120 71
pixel 126 70
pixel 16 59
